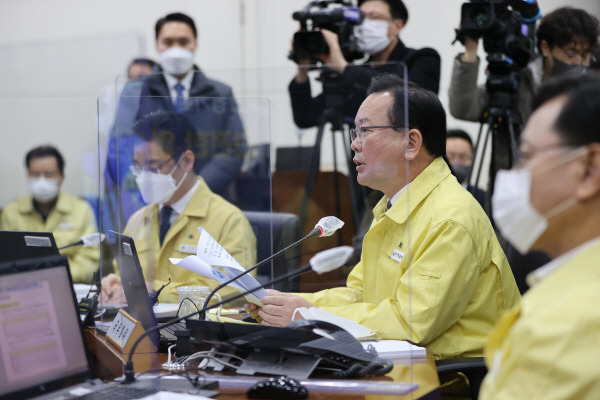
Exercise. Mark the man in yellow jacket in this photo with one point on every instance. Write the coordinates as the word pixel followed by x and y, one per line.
pixel 179 202
pixel 431 269
pixel 549 347
pixel 48 209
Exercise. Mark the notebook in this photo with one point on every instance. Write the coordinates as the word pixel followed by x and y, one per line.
pixel 19 245
pixel 42 349
pixel 134 286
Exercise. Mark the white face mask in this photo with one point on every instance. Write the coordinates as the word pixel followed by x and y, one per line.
pixel 372 36
pixel 176 60
pixel 43 189
pixel 518 221
pixel 157 188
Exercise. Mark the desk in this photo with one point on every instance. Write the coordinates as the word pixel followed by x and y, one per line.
pixel 108 363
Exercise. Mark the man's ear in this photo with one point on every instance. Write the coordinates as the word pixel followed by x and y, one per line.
pixel 588 185
pixel 545 48
pixel 414 143
pixel 187 160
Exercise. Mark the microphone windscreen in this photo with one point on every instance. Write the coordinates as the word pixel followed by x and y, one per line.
pixel 328 260
pixel 92 239
pixel 328 225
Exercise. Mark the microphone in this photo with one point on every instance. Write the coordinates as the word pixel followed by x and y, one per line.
pixel 91 239
pixel 322 262
pixel 325 227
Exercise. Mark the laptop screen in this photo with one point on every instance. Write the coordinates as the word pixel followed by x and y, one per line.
pixel 41 341
pixel 134 285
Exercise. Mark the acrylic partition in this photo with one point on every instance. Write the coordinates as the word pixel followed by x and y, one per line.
pixel 209 161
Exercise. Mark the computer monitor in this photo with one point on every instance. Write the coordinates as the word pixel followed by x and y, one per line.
pixel 41 341
pixel 19 245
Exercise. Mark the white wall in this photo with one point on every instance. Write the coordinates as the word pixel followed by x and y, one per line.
pixel 55 56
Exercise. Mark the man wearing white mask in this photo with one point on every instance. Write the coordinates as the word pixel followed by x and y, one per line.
pixel 48 209
pixel 548 347
pixel 177 85
pixel 378 37
pixel 179 201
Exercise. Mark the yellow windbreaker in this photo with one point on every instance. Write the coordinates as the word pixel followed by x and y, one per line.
pixel 431 270
pixel 69 220
pixel 222 220
pixel 550 346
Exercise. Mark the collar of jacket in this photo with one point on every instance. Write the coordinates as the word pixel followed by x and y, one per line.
pixel 62 204
pixel 418 190
pixel 157 85
pixel 196 207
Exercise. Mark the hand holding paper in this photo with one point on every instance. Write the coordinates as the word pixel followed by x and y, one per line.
pixel 210 252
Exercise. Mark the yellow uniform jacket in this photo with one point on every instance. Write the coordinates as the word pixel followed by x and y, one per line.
pixel 431 270
pixel 223 221
pixel 550 346
pixel 69 220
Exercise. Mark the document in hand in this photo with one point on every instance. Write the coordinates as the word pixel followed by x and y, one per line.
pixel 210 254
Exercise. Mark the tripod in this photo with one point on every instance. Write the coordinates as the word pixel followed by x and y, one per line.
pixel 504 123
pixel 332 114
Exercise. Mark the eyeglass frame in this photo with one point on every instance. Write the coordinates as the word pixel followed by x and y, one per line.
pixel 135 170
pixel 355 135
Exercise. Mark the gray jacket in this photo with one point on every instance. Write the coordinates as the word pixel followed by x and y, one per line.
pixel 468 101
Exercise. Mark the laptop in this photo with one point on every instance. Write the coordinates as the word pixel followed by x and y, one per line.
pixel 19 245
pixel 136 292
pixel 42 348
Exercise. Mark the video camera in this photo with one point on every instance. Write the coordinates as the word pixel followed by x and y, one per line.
pixel 337 16
pixel 506 31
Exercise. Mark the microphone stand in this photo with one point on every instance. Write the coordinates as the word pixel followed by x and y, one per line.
pixel 315 232
pixel 129 370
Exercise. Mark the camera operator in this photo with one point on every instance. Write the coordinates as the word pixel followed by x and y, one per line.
pixel 378 37
pixel 566 39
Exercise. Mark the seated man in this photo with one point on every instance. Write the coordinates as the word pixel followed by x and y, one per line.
pixel 49 209
pixel 459 151
pixel 431 269
pixel 548 348
pixel 178 201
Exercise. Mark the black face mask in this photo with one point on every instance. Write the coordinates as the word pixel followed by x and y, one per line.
pixel 560 67
pixel 461 172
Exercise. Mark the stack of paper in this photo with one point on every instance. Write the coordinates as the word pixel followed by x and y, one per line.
pixel 396 349
pixel 210 254
pixel 360 332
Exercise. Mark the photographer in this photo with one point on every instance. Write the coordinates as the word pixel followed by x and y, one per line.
pixel 378 37
pixel 565 40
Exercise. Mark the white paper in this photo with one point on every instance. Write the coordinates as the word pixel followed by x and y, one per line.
pixel 213 253
pixel 210 252
pixel 396 349
pixel 355 329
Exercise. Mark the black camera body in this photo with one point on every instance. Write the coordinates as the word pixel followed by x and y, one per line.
pixel 507 29
pixel 337 16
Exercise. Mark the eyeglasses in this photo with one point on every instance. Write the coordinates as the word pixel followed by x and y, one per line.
pixel 155 169
pixel 361 131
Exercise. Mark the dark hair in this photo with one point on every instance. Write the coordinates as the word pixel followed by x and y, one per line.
pixel 175 17
pixel 397 8
pixel 578 121
pixel 46 151
pixel 459 133
pixel 142 61
pixel 561 26
pixel 172 131
pixel 425 112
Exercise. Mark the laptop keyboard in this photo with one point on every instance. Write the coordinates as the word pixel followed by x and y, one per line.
pixel 120 392
pixel 168 332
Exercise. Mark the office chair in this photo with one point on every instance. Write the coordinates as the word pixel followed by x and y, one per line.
pixel 473 368
pixel 274 231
